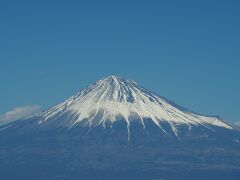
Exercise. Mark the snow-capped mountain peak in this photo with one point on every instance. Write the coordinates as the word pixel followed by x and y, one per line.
pixel 114 98
pixel 116 125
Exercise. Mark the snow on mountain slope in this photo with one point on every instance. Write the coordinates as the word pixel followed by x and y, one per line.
pixel 114 98
pixel 116 126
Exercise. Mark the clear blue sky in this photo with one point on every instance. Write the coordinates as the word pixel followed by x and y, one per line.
pixel 186 51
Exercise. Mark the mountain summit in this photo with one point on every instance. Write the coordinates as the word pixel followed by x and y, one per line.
pixel 113 98
pixel 116 129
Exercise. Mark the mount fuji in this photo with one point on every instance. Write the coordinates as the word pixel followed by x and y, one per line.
pixel 117 129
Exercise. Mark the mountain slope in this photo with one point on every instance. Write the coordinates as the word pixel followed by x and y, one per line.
pixel 113 98
pixel 116 129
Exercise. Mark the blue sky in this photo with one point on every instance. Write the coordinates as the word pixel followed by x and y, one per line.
pixel 186 51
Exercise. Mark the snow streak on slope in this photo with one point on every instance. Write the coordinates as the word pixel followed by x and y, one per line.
pixel 114 98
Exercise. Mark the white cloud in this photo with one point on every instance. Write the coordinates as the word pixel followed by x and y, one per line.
pixel 18 113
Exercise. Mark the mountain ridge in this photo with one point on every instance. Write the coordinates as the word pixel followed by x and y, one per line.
pixel 113 99
pixel 56 144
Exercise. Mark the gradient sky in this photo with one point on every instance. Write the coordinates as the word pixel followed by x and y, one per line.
pixel 186 51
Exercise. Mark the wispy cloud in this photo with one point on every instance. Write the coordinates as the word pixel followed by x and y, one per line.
pixel 18 113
